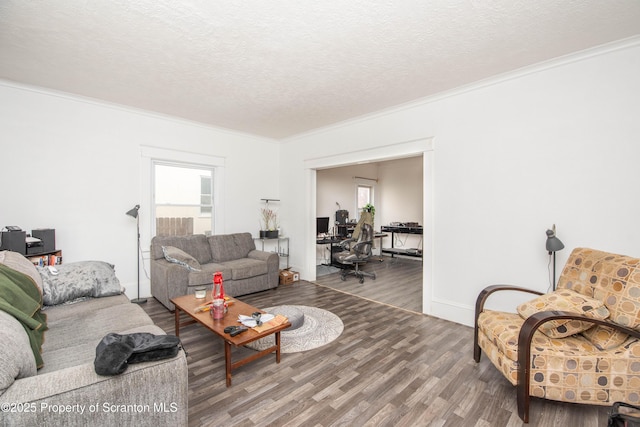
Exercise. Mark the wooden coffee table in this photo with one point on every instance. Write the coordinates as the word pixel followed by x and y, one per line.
pixel 187 305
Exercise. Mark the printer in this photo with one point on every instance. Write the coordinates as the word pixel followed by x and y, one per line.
pixel 34 245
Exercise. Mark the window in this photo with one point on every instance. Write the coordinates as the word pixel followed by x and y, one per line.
pixel 182 198
pixel 364 194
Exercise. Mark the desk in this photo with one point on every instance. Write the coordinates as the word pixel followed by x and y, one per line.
pixel 334 241
pixel 393 229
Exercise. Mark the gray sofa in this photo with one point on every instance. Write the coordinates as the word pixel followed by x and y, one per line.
pixel 179 264
pixel 66 390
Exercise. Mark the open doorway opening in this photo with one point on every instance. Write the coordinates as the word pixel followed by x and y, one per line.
pixel 395 188
pixel 417 147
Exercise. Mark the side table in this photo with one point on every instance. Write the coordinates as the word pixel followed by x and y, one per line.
pixel 282 248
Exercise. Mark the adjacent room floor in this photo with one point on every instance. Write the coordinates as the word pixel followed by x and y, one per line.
pixel 398 282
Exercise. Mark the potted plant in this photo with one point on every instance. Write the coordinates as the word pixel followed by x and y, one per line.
pixel 269 223
pixel 370 208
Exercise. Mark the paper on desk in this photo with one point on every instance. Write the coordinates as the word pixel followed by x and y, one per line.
pixel 250 322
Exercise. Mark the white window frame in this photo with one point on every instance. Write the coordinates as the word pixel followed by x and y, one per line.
pixel 209 211
pixel 148 155
pixel 173 164
pixel 364 182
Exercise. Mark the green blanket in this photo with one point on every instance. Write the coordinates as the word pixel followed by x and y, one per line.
pixel 21 298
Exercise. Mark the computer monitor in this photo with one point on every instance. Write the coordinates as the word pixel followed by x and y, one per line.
pixel 322 225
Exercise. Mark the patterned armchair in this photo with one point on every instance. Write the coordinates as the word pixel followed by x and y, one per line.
pixel 580 343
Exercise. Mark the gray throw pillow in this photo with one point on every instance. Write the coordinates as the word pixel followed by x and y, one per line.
pixel 19 263
pixel 180 257
pixel 15 352
pixel 79 280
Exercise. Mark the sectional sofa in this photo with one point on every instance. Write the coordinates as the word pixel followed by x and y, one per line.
pixel 65 389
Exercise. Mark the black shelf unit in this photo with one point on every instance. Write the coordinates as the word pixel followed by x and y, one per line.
pixel 401 229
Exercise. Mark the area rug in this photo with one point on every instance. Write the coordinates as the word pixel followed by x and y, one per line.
pixel 319 328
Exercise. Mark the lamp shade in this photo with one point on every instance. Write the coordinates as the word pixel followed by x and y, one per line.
pixel 133 211
pixel 553 243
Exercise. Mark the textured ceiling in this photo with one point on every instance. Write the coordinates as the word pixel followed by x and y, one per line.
pixel 278 68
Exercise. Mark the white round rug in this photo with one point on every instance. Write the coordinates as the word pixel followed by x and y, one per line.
pixel 320 327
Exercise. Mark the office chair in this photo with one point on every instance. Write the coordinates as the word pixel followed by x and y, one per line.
pixel 356 252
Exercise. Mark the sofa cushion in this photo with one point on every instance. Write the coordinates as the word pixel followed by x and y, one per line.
pixel 195 245
pixel 76 280
pixel 19 263
pixel 180 257
pixel 72 339
pixel 16 357
pixel 227 247
pixel 564 300
pixel 205 275
pixel 246 268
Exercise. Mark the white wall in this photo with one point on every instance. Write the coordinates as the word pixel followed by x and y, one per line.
pixel 337 185
pixel 552 144
pixel 401 198
pixel 75 165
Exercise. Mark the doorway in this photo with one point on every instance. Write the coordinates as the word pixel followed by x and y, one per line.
pixel 420 147
pixel 394 188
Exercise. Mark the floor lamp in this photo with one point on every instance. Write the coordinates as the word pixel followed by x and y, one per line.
pixel 134 213
pixel 553 244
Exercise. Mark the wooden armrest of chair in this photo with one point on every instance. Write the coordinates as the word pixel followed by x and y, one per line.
pixel 482 299
pixel 529 327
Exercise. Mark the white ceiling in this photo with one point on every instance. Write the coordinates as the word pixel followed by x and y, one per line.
pixel 279 68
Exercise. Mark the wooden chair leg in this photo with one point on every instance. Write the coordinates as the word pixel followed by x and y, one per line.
pixel 477 351
pixel 523 401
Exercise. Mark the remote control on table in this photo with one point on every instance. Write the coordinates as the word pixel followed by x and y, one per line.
pixel 238 330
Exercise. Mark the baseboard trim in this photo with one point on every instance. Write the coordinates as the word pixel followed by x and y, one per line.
pixel 452 311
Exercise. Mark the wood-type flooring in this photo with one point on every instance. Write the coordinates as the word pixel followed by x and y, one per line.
pixel 390 367
pixel 398 282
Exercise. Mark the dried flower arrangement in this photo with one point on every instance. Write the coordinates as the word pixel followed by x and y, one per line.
pixel 269 219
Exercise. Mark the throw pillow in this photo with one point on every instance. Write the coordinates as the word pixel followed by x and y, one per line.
pixel 79 280
pixel 564 300
pixel 19 263
pixel 15 352
pixel 180 257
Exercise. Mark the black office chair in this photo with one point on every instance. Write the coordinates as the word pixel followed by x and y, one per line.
pixel 356 253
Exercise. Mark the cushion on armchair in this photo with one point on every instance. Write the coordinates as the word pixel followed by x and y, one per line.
pixel 610 278
pixel 605 338
pixel 564 300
